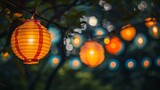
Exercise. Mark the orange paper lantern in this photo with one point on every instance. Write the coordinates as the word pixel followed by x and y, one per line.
pixel 128 32
pixel 92 53
pixel 150 22
pixel 114 46
pixel 31 41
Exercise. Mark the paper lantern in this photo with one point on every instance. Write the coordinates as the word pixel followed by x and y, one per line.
pixel 128 32
pixel 31 41
pixel 115 46
pixel 150 22
pixel 92 53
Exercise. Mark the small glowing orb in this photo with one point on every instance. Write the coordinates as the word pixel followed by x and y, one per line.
pixel 92 21
pixel 146 63
pixel 150 21
pixel 5 57
pixel 77 40
pixel 113 64
pixel 115 46
pixel 99 31
pixel 130 64
pixel 54 60
pixel 106 40
pixel 75 63
pixel 140 41
pixel 154 31
pixel 157 61
pixel 55 34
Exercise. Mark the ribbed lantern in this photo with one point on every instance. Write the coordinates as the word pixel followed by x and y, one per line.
pixel 31 41
pixel 128 32
pixel 150 22
pixel 92 53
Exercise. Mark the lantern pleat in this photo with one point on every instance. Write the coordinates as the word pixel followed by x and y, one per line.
pixel 31 41
pixel 92 53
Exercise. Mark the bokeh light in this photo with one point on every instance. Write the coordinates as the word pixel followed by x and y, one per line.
pixel 75 63
pixel 128 32
pixel 5 56
pixel 55 34
pixel 113 64
pixel 150 22
pixel 146 63
pixel 99 31
pixel 106 40
pixel 154 31
pixel 115 46
pixel 130 64
pixel 54 60
pixel 140 40
pixel 77 40
pixel 157 61
pixel 93 21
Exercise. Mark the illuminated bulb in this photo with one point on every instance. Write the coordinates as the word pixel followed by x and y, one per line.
pixel 99 32
pixel 146 63
pixel 75 63
pixel 155 29
pixel 76 40
pixel 106 40
pixel 93 21
pixel 91 52
pixel 140 40
pixel 5 54
pixel 55 61
pixel 113 64
pixel 130 64
pixel 31 40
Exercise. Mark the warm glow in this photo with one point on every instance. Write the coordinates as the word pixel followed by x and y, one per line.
pixel 31 41
pixel 106 40
pixel 146 63
pixel 55 61
pixel 93 21
pixel 114 46
pixel 155 29
pixel 128 32
pixel 92 53
pixel 158 62
pixel 75 63
pixel 150 21
pixel 76 40
pixel 140 40
pixel 113 64
pixel 99 32
pixel 130 64
pixel 5 54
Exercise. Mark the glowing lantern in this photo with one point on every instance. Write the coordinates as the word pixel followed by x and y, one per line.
pixel 128 32
pixel 75 63
pixel 146 63
pixel 54 60
pixel 99 31
pixel 130 64
pixel 154 31
pixel 31 41
pixel 150 21
pixel 115 46
pixel 92 53
pixel 77 40
pixel 140 40
pixel 113 64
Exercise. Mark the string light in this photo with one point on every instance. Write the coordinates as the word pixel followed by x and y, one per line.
pixel 75 63
pixel 157 61
pixel 140 40
pixel 154 31
pixel 130 64
pixel 54 60
pixel 113 64
pixel 146 63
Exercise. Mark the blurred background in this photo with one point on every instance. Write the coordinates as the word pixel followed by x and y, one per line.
pixel 132 61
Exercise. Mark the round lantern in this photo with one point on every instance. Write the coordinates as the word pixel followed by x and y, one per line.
pixel 115 46
pixel 154 31
pixel 92 53
pixel 128 32
pixel 150 22
pixel 31 41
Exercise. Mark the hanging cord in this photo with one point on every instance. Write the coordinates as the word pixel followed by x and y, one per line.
pixel 31 12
